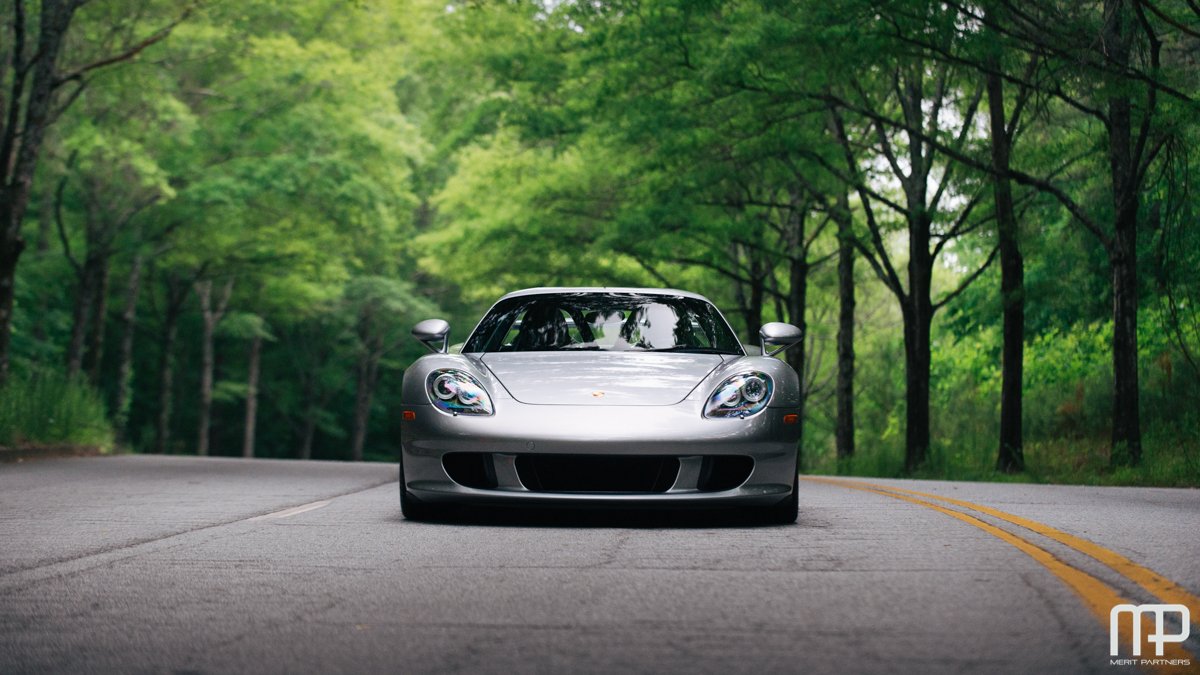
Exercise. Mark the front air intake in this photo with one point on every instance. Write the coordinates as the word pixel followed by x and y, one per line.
pixel 597 473
pixel 471 469
pixel 724 472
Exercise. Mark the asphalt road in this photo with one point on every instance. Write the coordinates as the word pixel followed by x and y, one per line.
pixel 188 565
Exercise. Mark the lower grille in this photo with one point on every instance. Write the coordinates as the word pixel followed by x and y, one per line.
pixel 471 469
pixel 597 473
pixel 724 472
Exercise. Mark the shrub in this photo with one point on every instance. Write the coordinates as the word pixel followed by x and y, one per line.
pixel 47 408
pixel 1067 410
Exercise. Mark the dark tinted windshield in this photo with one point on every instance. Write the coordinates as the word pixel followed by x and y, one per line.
pixel 603 322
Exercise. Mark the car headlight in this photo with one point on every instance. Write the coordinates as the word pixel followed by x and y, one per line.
pixel 457 393
pixel 740 396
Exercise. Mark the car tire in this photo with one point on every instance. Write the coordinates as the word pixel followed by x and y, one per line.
pixel 411 507
pixel 785 512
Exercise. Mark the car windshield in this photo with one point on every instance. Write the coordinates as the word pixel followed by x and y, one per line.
pixel 613 322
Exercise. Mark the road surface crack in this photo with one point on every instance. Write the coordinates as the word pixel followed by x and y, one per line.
pixel 10 582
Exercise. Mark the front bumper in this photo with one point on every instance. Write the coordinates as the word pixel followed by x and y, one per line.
pixel 678 431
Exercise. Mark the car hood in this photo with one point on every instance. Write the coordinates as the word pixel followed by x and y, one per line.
pixel 600 378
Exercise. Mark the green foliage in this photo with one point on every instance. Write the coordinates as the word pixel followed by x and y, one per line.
pixel 1068 391
pixel 45 408
pixel 245 326
pixel 353 168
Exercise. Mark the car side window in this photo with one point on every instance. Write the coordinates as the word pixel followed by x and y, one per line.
pixel 507 343
pixel 700 336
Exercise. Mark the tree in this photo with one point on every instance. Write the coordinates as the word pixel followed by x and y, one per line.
pixel 933 201
pixel 383 311
pixel 634 154
pixel 174 293
pixel 1133 91
pixel 212 310
pixel 294 182
pixel 1002 125
pixel 245 326
pixel 844 435
pixel 34 80
pixel 111 177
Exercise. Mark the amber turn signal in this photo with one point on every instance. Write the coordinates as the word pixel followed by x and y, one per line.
pixel 791 418
pixel 409 415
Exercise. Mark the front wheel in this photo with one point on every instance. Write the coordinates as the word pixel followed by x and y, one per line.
pixel 786 511
pixel 411 507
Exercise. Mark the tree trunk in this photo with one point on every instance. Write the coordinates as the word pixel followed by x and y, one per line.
pixel 918 320
pixel 371 352
pixel 252 395
pixel 916 379
pixel 845 338
pixel 211 315
pixel 10 253
pixel 166 377
pixel 203 412
pixel 1011 456
pixel 93 357
pixel 125 360
pixel 42 247
pixel 1126 429
pixel 368 367
pixel 309 432
pixel 797 305
pixel 797 356
pixel 313 402
pixel 751 307
pixel 80 313
pixel 758 287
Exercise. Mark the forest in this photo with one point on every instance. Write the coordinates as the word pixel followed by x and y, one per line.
pixel 219 220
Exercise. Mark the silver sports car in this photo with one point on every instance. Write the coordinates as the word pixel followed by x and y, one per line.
pixel 601 397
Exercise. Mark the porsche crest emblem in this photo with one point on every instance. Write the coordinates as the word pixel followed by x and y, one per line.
pixel 597 394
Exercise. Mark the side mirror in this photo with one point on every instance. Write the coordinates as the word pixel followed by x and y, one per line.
pixel 780 335
pixel 433 333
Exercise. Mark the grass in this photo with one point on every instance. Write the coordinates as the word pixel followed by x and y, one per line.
pixel 50 409
pixel 1066 426
pixel 1169 459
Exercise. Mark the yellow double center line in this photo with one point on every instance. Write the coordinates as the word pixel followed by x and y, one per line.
pixel 1098 596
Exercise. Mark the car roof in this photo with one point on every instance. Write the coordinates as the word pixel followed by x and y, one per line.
pixel 543 290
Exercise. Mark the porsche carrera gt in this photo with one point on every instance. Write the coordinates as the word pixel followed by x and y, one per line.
pixel 603 397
